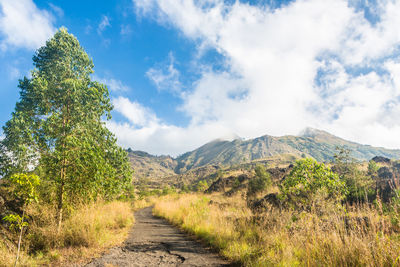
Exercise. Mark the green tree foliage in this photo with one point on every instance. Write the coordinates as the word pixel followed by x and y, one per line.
pixel 25 189
pixel 4 160
pixel 185 188
pixel 309 179
pixel 343 163
pixel 373 169
pixel 167 190
pixel 359 184
pixel 202 186
pixel 260 182
pixel 57 127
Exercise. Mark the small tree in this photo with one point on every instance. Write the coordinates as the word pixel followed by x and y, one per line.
pixel 25 188
pixel 260 182
pixel 358 183
pixel 308 179
pixel 373 173
pixel 343 162
pixel 202 186
pixel 185 188
pixel 168 190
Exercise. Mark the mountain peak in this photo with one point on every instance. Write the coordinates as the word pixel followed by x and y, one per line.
pixel 312 132
pixel 229 137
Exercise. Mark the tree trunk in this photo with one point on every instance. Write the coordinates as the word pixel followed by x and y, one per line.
pixel 20 237
pixel 60 202
pixel 62 178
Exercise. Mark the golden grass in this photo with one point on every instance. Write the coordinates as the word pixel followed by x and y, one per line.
pixel 89 230
pixel 286 238
pixel 144 202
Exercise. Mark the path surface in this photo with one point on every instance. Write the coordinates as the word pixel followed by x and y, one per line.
pixel 154 242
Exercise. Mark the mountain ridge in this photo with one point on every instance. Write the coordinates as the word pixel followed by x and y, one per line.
pixel 311 142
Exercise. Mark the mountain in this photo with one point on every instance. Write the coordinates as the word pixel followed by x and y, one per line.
pixel 146 165
pixel 311 143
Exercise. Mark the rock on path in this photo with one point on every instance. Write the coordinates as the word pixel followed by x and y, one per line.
pixel 154 242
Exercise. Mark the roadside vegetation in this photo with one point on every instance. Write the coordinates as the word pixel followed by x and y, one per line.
pixel 66 186
pixel 345 214
pixel 88 230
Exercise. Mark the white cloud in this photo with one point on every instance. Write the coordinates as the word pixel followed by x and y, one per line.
pixel 162 139
pixel 23 25
pixel 104 23
pixel 145 131
pixel 309 63
pixel 367 42
pixel 126 30
pixel 58 10
pixel 137 115
pixel 88 29
pixel 14 72
pixel 166 77
pixel 112 84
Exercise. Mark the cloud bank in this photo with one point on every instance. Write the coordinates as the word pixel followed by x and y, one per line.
pixel 23 25
pixel 319 63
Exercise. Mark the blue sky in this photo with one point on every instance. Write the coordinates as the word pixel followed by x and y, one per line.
pixel 184 72
pixel 123 50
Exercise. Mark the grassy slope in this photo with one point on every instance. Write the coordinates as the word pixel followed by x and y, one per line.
pixel 285 238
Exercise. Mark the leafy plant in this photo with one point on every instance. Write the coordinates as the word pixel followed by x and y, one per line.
pixel 260 182
pixel 202 186
pixel 309 179
pixel 168 190
pixel 25 188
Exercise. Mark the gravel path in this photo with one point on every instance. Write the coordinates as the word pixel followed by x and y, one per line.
pixel 154 242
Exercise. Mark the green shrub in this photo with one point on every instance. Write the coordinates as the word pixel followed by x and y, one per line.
pixel 310 180
pixel 202 186
pixel 260 182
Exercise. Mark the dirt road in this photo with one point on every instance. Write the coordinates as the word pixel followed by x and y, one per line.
pixel 154 242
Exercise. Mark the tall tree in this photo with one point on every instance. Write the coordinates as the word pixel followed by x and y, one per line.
pixel 57 127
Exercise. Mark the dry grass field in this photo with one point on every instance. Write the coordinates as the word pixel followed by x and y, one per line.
pixel 331 235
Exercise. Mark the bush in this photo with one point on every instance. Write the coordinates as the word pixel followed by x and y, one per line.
pixel 310 180
pixel 167 190
pixel 260 182
pixel 202 186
